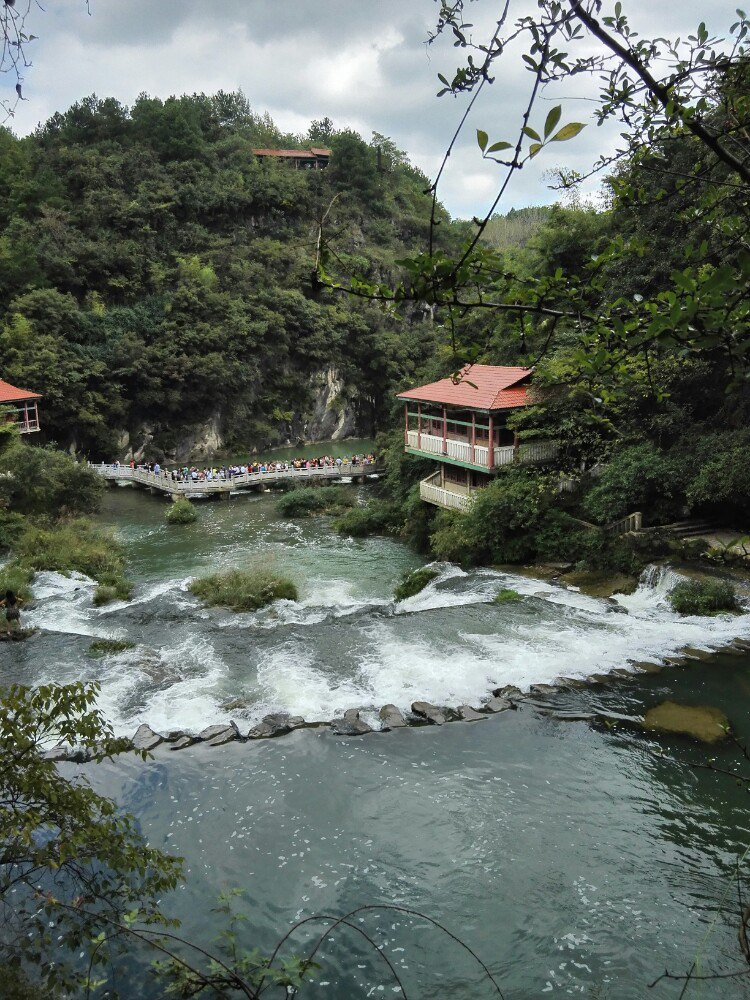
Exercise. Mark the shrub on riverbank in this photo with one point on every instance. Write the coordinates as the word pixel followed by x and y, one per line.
pixel 16 578
pixel 414 582
pixel 316 500
pixel 76 546
pixel 374 519
pixel 181 512
pixel 703 597
pixel 243 590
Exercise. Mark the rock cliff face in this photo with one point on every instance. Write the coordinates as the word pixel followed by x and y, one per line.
pixel 335 412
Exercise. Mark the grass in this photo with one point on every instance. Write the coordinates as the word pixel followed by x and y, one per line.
pixel 374 519
pixel 703 597
pixel 108 647
pixel 414 582
pixel 16 578
pixel 243 590
pixel 506 596
pixel 74 546
pixel 181 511
pixel 316 500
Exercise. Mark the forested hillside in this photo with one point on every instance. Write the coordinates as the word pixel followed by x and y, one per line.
pixel 156 276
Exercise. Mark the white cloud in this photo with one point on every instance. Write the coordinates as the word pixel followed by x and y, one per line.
pixel 364 64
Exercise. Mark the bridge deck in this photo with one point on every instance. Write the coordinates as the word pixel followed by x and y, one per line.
pixel 163 483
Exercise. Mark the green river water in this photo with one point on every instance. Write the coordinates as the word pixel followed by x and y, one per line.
pixel 576 861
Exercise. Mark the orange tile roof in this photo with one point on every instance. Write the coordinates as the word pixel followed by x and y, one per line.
pixel 10 394
pixel 481 387
pixel 298 154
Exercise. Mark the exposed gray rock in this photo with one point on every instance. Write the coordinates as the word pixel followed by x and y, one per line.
pixel 175 734
pixel 61 752
pixel 184 741
pixel 350 725
pixel 392 717
pixel 432 713
pixel 146 739
pixel 275 725
pixel 236 705
pixel 498 705
pixel 468 714
pixel 214 732
pixel 542 689
pixel 226 735
pixel 509 691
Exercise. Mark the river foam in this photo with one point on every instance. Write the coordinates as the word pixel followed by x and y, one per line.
pixel 337 649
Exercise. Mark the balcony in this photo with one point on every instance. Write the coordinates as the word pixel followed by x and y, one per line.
pixel 460 451
pixel 432 492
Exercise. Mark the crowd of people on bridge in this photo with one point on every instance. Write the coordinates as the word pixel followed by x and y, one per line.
pixel 223 473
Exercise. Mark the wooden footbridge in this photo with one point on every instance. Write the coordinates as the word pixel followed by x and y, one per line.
pixel 162 482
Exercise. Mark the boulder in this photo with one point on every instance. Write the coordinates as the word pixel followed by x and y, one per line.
pixel 237 704
pixel 175 734
pixel 275 725
pixel 542 689
pixel 61 752
pixel 146 739
pixel 350 725
pixel 468 714
pixel 497 705
pixel 184 741
pixel 703 722
pixel 509 691
pixel 392 717
pixel 227 734
pixel 434 715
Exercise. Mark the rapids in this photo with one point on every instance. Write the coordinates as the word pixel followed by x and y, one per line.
pixel 345 644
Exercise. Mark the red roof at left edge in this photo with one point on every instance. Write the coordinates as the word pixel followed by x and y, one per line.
pixel 10 394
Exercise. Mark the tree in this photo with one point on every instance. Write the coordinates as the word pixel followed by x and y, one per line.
pixel 689 94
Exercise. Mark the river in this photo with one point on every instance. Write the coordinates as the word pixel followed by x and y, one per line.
pixel 576 860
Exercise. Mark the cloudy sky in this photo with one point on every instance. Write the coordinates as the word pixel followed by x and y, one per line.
pixel 364 63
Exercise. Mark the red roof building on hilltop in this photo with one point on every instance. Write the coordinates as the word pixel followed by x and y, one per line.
pixel 461 422
pixel 312 158
pixel 19 406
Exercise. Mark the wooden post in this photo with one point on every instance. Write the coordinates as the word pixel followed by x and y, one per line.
pixel 419 424
pixel 445 431
pixel 516 449
pixel 473 435
pixel 491 445
pixel 406 424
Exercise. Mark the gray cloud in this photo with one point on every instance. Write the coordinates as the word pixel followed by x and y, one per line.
pixel 363 63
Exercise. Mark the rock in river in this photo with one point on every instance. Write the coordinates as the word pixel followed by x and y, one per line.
pixel 434 715
pixel 701 721
pixel 497 705
pixel 146 739
pixel 216 736
pixel 275 725
pixel 350 725
pixel 392 717
pixel 468 714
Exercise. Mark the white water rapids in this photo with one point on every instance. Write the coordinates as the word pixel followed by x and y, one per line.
pixel 336 650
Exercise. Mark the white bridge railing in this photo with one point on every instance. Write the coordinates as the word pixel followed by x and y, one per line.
pixel 526 453
pixel 163 481
pixel 430 492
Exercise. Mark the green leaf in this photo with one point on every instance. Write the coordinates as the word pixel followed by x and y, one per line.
pixel 569 131
pixel 534 149
pixel 482 139
pixel 497 146
pixel 531 133
pixel 551 121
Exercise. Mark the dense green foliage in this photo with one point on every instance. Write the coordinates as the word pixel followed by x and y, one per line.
pixel 108 647
pixel 506 596
pixel 244 590
pixel 181 511
pixel 703 597
pixel 154 272
pixel 414 582
pixel 375 518
pixel 90 870
pixel 309 500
